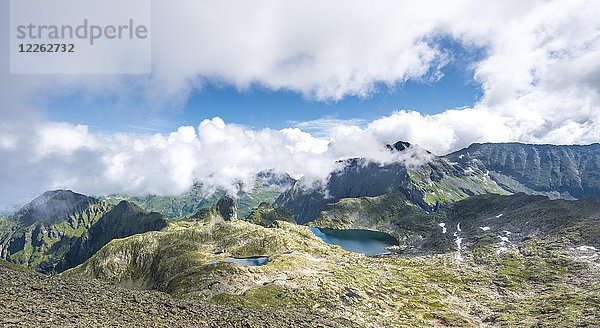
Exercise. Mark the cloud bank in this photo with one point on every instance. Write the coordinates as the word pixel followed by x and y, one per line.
pixel 540 75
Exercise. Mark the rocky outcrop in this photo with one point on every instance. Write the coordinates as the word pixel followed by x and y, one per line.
pixel 267 215
pixel 399 146
pixel 227 208
pixel 224 210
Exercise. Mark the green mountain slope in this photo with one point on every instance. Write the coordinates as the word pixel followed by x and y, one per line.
pixel 53 206
pixel 61 229
pixel 123 220
pixel 267 215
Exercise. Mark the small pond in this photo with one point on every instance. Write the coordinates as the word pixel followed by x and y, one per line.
pixel 248 261
pixel 358 241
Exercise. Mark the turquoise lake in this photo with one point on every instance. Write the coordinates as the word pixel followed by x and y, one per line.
pixel 358 241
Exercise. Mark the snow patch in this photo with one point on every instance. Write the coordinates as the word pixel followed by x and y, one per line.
pixel 484 228
pixel 458 227
pixel 458 241
pixel 499 215
pixel 501 250
pixel 443 225
pixel 586 248
pixel 503 241
pixel 461 156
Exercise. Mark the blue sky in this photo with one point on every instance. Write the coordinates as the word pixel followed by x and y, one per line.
pixel 538 61
pixel 259 107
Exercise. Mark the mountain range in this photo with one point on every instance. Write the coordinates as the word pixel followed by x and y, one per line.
pixel 429 181
pixel 491 235
pixel 556 171
pixel 267 186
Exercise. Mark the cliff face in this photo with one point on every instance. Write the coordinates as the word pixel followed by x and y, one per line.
pixel 559 171
pixel 123 220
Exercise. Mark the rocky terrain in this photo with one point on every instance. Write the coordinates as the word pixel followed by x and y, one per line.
pixel 30 299
pixel 267 215
pixel 471 276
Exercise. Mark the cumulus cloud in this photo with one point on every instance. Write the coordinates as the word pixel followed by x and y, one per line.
pixel 540 76
pixel 61 155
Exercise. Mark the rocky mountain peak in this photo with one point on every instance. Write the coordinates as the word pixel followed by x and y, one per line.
pixel 272 177
pixel 227 208
pixel 126 208
pixel 398 146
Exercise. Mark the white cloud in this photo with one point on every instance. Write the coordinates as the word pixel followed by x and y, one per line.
pixel 540 75
pixel 218 154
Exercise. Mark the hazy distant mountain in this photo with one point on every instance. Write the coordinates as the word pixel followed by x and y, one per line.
pixel 557 171
pixel 267 187
pixel 53 206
